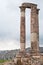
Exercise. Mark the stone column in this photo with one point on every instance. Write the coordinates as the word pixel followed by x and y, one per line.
pixel 37 13
pixel 22 29
pixel 34 30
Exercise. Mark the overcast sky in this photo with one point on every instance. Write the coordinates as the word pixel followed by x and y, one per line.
pixel 10 23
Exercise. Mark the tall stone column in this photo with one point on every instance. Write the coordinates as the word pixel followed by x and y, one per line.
pixel 22 30
pixel 37 13
pixel 34 30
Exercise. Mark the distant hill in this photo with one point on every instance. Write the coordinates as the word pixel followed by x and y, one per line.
pixel 9 54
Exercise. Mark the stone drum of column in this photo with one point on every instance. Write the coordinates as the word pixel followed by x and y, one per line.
pixel 34 30
pixel 22 30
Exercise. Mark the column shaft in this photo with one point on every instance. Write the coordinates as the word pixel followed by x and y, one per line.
pixel 22 29
pixel 34 30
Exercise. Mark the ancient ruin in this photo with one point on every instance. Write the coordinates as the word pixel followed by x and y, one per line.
pixel 34 57
pixel 34 27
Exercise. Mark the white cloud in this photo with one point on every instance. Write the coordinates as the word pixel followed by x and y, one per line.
pixel 9 44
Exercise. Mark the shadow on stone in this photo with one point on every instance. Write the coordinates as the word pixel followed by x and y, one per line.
pixel 19 62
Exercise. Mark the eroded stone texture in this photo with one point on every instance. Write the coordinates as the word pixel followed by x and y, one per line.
pixel 22 29
pixel 32 58
pixel 28 5
pixel 34 30
pixel 34 26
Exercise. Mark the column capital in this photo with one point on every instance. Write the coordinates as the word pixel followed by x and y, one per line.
pixel 38 11
pixel 22 8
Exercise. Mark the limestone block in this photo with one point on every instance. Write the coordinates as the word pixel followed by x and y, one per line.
pixel 33 37
pixel 22 46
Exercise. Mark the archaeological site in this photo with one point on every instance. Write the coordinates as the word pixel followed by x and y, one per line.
pixel 33 57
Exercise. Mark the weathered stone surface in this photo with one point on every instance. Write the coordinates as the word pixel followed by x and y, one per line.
pixel 34 29
pixel 28 5
pixel 22 30
pixel 32 58
pixel 34 25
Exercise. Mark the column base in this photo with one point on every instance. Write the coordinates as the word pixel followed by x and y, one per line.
pixel 35 60
pixel 34 53
pixel 27 59
pixel 22 54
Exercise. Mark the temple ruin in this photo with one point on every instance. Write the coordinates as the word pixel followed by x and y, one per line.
pixel 34 27
pixel 34 57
